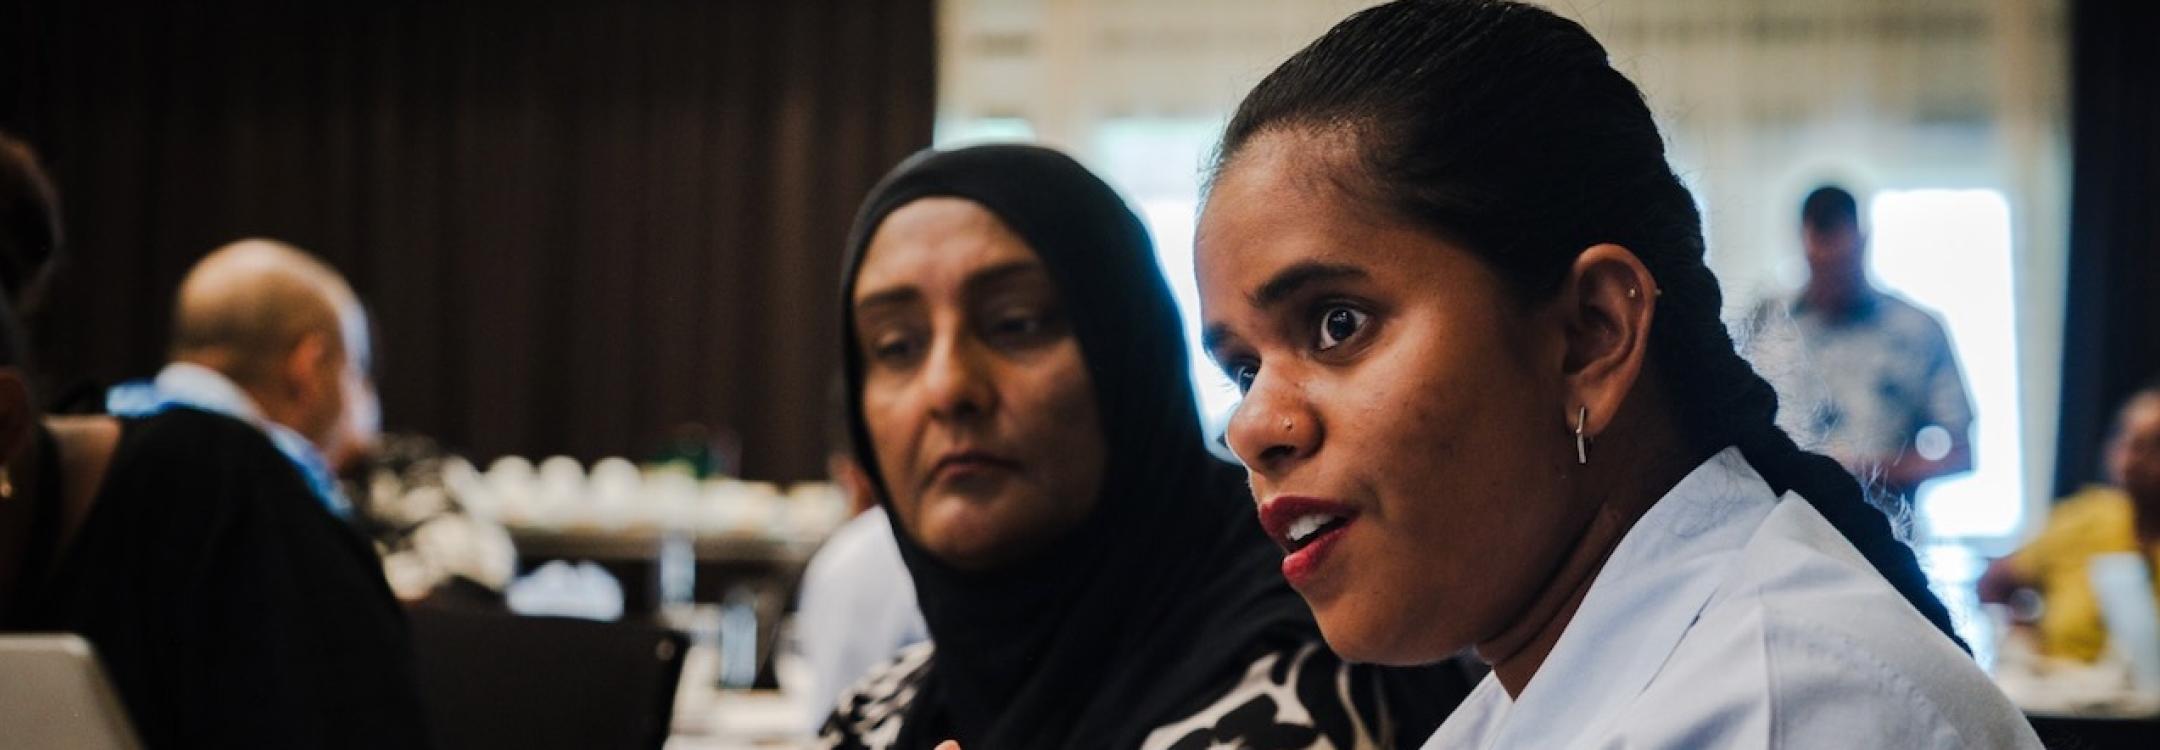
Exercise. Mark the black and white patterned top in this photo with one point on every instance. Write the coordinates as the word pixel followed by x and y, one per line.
pixel 1304 698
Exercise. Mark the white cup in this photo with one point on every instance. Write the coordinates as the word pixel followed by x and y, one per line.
pixel 2123 584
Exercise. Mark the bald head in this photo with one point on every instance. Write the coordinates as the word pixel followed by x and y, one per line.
pixel 279 323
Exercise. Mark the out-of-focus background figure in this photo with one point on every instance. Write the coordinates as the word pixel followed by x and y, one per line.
pixel 2121 515
pixel 269 335
pixel 187 544
pixel 1863 375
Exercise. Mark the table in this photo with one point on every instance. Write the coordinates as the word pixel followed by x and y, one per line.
pixel 772 568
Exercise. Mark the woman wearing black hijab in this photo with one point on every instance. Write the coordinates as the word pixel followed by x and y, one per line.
pixel 1090 576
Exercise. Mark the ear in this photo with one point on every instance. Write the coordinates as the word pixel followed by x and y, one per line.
pixel 16 416
pixel 307 364
pixel 1609 299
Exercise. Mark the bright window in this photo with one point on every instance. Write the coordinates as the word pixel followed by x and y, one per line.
pixel 1159 165
pixel 959 133
pixel 1949 251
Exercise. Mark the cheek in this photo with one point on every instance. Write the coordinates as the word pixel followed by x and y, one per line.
pixel 1451 435
pixel 1055 405
pixel 1443 393
pixel 892 427
pixel 2144 469
pixel 335 397
pixel 1451 428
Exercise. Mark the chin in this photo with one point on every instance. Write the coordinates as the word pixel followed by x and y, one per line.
pixel 968 544
pixel 1386 640
pixel 964 557
pixel 1354 638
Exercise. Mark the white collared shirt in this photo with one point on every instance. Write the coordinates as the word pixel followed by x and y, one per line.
pixel 209 389
pixel 857 609
pixel 1731 618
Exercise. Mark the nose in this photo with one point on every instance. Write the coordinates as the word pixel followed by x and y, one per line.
pixel 958 379
pixel 1274 428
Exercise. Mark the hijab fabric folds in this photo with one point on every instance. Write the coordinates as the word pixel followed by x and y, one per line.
pixel 1169 587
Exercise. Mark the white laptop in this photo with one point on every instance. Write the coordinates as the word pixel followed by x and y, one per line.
pixel 55 695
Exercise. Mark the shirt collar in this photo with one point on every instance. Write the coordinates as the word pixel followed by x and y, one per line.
pixel 207 389
pixel 1658 580
pixel 198 387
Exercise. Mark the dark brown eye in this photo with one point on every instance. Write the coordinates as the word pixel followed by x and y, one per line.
pixel 1338 324
pixel 1019 325
pixel 893 349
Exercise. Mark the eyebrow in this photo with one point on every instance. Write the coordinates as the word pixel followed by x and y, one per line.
pixel 1212 339
pixel 1000 273
pixel 893 297
pixel 988 277
pixel 1297 276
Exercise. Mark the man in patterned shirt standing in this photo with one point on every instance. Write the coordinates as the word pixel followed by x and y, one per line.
pixel 1862 375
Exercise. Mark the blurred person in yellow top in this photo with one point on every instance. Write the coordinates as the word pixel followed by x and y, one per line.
pixel 2097 520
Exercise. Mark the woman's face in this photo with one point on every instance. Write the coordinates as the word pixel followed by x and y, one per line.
pixel 1403 423
pixel 2134 454
pixel 974 391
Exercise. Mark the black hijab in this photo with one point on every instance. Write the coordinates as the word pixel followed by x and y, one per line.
pixel 1169 587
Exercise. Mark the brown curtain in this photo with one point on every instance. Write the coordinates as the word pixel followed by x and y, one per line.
pixel 2111 344
pixel 578 223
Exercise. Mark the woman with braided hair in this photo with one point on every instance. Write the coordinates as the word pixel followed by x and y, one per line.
pixel 1490 404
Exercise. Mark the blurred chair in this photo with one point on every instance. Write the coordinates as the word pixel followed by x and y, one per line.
pixel 2083 733
pixel 55 694
pixel 498 680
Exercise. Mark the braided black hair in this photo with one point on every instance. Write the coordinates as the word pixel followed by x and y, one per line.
pixel 1505 128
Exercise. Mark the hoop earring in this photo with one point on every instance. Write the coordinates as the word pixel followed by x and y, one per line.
pixel 1582 444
